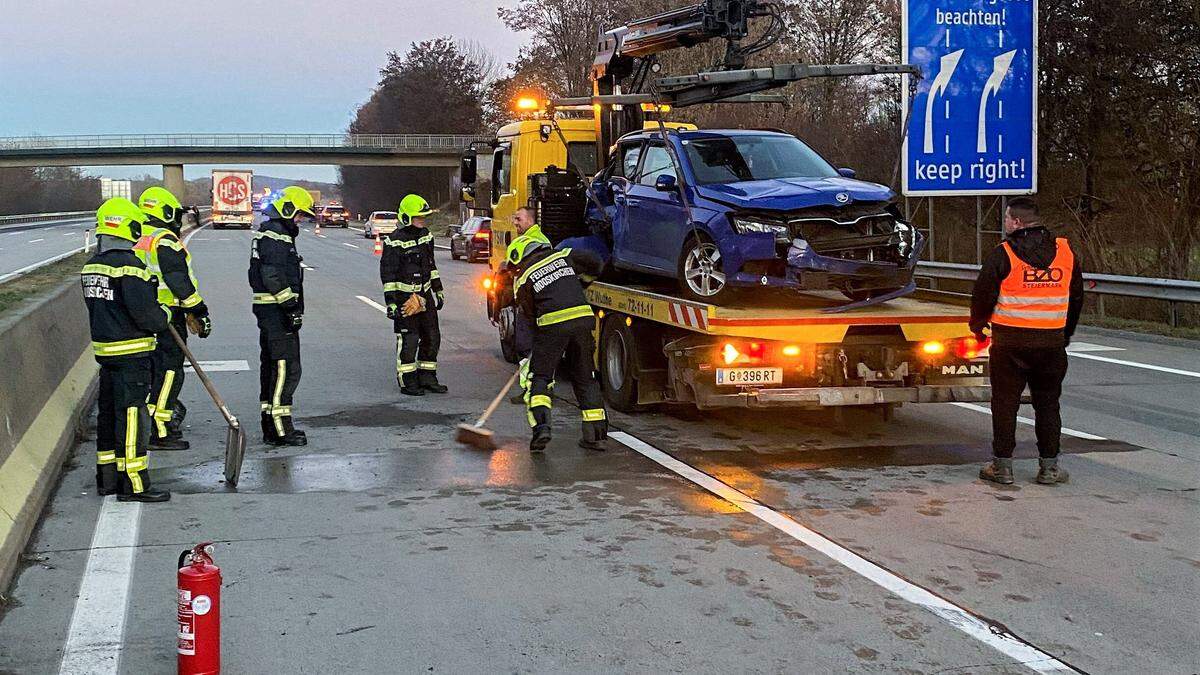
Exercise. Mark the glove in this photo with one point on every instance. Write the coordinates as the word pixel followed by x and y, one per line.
pixel 199 310
pixel 205 328
pixel 392 311
pixel 440 300
pixel 293 322
pixel 414 305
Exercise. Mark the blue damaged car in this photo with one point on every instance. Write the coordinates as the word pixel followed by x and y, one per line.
pixel 762 210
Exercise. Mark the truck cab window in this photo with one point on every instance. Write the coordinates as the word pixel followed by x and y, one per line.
pixel 501 172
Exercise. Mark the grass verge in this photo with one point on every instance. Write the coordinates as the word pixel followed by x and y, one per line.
pixel 1135 326
pixel 27 287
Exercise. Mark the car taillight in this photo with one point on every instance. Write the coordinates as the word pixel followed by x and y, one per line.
pixel 483 235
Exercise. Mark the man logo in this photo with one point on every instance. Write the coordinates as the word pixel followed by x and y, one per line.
pixel 973 369
pixel 843 197
pixel 1036 276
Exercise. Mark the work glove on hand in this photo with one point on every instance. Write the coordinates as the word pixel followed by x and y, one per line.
pixel 200 326
pixel 414 305
pixel 392 311
pixel 198 310
pixel 293 321
pixel 440 301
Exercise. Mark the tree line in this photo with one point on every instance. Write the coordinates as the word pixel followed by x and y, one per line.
pixel 1119 125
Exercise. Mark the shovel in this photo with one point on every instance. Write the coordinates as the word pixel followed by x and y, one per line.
pixel 235 437
pixel 475 435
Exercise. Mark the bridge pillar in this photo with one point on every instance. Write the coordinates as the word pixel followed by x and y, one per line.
pixel 173 180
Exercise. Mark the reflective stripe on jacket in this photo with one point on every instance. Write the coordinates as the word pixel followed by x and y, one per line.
pixel 1031 297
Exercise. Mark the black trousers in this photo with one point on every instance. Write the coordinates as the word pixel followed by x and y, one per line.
pixel 167 378
pixel 279 370
pixel 1043 369
pixel 123 425
pixel 574 340
pixel 418 341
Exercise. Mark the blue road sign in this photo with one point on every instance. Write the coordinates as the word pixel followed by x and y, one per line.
pixel 972 125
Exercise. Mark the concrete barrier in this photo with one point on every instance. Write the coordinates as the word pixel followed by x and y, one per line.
pixel 47 384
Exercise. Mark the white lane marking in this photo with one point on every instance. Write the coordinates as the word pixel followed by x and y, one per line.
pixel 97 630
pixel 322 236
pixel 1135 364
pixel 1025 420
pixel 47 261
pixel 356 229
pixel 34 241
pixel 372 303
pixel 188 238
pixel 346 243
pixel 1076 347
pixel 307 266
pixel 444 248
pixel 70 234
pixel 220 366
pixel 991 634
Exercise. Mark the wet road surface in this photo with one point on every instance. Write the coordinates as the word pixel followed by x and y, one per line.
pixel 385 547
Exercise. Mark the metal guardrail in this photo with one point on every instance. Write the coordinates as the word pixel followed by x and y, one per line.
pixel 35 217
pixel 390 142
pixel 1149 288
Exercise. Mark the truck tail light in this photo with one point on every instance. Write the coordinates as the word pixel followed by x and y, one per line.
pixel 740 354
pixel 971 347
pixel 933 348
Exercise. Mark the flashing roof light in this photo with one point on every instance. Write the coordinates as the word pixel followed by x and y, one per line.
pixel 528 104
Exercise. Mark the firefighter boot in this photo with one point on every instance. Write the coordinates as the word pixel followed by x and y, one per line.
pixel 146 496
pixel 429 382
pixel 540 438
pixel 290 436
pixel 177 416
pixel 998 471
pixel 106 479
pixel 594 435
pixel 268 426
pixel 410 385
pixel 169 442
pixel 1049 473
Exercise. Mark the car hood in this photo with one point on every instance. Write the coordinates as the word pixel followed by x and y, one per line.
pixel 786 194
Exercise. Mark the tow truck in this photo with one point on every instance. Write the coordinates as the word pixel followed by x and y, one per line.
pixel 654 347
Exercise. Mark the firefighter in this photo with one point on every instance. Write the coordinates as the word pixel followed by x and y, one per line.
pixel 121 295
pixel 161 250
pixel 412 290
pixel 525 223
pixel 1030 291
pixel 549 291
pixel 277 281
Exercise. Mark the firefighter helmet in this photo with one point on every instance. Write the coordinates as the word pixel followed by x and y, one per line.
pixel 158 203
pixel 121 218
pixel 413 206
pixel 293 200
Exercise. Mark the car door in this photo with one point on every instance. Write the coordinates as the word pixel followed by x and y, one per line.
pixel 655 219
pixel 627 251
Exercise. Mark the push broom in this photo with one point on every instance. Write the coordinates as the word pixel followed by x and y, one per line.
pixel 475 435
pixel 235 436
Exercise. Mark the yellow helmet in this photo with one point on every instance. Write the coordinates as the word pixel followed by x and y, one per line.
pixel 121 218
pixel 158 203
pixel 292 200
pixel 412 206
pixel 523 246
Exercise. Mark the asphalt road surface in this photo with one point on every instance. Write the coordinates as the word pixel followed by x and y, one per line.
pixel 726 542
pixel 31 243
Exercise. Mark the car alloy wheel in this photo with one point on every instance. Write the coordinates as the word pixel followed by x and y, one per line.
pixel 702 269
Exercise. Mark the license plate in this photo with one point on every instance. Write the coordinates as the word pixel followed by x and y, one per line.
pixel 748 376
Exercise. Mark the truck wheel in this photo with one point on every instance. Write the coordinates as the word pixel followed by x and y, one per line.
pixel 507 329
pixel 700 272
pixel 618 365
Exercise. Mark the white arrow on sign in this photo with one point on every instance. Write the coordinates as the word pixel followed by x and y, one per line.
pixel 940 82
pixel 1000 66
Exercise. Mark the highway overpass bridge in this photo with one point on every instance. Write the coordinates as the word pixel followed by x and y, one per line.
pixel 173 151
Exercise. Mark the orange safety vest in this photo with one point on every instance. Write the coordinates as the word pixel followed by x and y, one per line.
pixel 1031 297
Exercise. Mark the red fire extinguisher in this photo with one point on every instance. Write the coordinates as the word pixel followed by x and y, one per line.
pixel 199 645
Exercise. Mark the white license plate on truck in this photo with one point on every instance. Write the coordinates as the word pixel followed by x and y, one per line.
pixel 743 377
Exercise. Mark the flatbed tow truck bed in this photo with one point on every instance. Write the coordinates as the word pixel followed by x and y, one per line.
pixel 784 351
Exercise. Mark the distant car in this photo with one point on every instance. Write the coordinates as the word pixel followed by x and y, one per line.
pixel 472 240
pixel 380 223
pixel 334 216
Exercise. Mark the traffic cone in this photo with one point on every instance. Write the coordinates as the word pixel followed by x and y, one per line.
pixel 378 245
pixel 317 229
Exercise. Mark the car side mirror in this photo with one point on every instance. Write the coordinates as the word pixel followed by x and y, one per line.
pixel 665 183
pixel 467 167
pixel 847 173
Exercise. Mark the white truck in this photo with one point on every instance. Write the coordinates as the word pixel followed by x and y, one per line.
pixel 232 198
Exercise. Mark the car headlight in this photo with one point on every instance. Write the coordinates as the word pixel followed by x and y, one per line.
pixel 906 239
pixel 747 226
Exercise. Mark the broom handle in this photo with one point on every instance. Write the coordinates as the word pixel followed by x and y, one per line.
pixel 212 391
pixel 496 401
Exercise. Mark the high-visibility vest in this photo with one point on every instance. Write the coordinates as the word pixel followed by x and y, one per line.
pixel 146 249
pixel 1032 297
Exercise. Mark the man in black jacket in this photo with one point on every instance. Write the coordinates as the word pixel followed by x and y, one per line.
pixel 549 291
pixel 1030 291
pixel 124 317
pixel 168 259
pixel 277 280
pixel 412 290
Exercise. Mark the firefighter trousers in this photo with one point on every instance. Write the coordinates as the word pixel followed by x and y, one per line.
pixel 1043 369
pixel 418 341
pixel 574 340
pixel 123 425
pixel 279 370
pixel 167 379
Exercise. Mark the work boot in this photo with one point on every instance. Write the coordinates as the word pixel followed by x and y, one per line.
pixel 168 443
pixel 540 439
pixel 999 470
pixel 412 391
pixel 146 496
pixel 295 437
pixel 594 435
pixel 177 416
pixel 435 387
pixel 1049 473
pixel 107 482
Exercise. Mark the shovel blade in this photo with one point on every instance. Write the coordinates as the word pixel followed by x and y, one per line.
pixel 235 450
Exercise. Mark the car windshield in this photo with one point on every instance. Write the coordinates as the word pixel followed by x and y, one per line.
pixel 732 159
pixel 384 215
pixel 470 226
